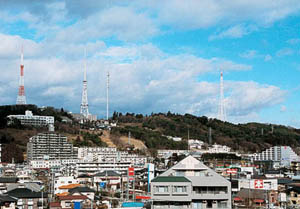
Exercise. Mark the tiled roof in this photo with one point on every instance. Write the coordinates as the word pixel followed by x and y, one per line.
pixel 69 186
pixel 62 194
pixel 170 179
pixel 54 204
pixel 73 197
pixel 81 189
pixel 25 193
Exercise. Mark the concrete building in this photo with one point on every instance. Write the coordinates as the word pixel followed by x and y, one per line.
pixel 50 146
pixel 216 148
pixel 109 154
pixel 284 154
pixel 32 120
pixel 190 184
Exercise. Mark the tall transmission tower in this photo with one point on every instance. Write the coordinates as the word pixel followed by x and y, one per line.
pixel 84 107
pixel 221 111
pixel 107 96
pixel 21 99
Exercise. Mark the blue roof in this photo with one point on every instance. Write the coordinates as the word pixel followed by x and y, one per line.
pixel 132 204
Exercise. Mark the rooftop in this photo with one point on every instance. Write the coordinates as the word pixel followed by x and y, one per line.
pixel 170 179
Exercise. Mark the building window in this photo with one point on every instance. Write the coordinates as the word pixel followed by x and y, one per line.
pixel 179 189
pixel 180 173
pixel 222 204
pixel 161 188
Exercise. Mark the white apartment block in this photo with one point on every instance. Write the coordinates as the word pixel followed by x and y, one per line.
pixel 216 148
pixel 284 154
pixel 195 144
pixel 166 153
pixel 109 154
pixel 38 164
pixel 92 168
pixel 50 146
pixel 32 120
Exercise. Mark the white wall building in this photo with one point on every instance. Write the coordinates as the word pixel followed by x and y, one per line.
pixel 284 154
pixel 32 120
pixel 62 181
pixel 216 148
pixel 50 146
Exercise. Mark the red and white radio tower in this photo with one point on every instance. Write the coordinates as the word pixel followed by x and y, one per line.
pixel 21 99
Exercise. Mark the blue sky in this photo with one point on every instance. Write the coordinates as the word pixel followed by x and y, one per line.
pixel 162 55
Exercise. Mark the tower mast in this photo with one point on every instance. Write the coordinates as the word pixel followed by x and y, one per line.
pixel 221 112
pixel 84 107
pixel 107 96
pixel 21 99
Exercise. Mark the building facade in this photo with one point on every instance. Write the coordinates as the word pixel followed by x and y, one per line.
pixel 32 120
pixel 284 154
pixel 50 146
pixel 190 184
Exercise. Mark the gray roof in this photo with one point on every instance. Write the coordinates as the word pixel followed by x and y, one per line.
pixel 81 189
pixel 8 179
pixel 25 193
pixel 170 179
pixel 7 198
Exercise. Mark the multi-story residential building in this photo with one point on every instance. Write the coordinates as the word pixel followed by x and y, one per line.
pixel 284 154
pixel 50 146
pixel 190 184
pixel 28 199
pixel 38 164
pixel 32 120
pixel 109 154
pixel 217 148
pixel 165 153
pixel 92 168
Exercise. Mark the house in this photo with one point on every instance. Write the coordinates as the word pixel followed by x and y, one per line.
pixel 111 179
pixel 84 179
pixel 86 191
pixel 5 182
pixel 68 200
pixel 7 202
pixel 190 184
pixel 28 199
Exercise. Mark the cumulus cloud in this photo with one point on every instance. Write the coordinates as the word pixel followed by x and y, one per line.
pixel 284 52
pixel 236 31
pixel 249 54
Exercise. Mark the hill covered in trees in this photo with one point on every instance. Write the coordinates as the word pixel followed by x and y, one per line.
pixel 250 137
pixel 152 130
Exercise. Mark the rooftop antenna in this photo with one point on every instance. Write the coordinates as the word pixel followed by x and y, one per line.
pixel 221 112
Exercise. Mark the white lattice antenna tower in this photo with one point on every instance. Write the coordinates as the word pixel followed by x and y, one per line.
pixel 21 99
pixel 221 111
pixel 84 107
pixel 107 96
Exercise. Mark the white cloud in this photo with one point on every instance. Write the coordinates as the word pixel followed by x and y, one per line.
pixel 284 52
pixel 121 22
pixel 268 58
pixel 172 81
pixel 249 54
pixel 282 108
pixel 236 31
pixel 294 41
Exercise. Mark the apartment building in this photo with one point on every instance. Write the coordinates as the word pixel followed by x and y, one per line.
pixel 32 120
pixel 190 184
pixel 284 154
pixel 109 154
pixel 50 146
